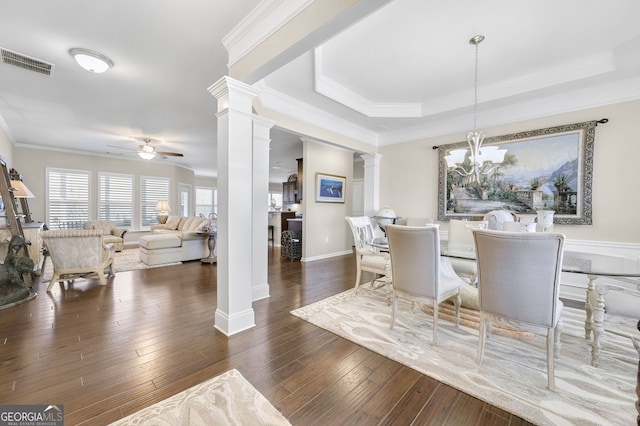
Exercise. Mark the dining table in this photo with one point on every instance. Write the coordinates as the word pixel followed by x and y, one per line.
pixel 591 265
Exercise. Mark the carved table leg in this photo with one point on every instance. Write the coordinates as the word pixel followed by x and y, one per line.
pixel 588 323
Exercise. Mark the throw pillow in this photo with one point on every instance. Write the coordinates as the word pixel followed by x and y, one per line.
pixel 172 222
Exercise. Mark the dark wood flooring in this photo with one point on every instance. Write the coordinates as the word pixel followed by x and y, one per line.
pixel 106 352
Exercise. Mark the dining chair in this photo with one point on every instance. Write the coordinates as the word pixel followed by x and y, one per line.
pixel 460 239
pixel 368 258
pixel 519 285
pixel 419 273
pixel 621 301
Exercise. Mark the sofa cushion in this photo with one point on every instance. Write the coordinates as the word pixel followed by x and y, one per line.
pixel 172 222
pixel 104 227
pixel 158 241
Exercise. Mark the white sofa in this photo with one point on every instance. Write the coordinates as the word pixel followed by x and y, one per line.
pixel 175 241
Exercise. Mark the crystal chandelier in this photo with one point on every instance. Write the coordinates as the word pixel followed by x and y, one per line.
pixel 483 159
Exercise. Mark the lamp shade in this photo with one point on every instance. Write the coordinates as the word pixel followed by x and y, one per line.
pixel 20 190
pixel 162 206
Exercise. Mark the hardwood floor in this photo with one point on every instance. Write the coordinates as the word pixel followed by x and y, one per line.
pixel 105 352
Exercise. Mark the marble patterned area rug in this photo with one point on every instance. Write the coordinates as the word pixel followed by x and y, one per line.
pixel 228 399
pixel 513 373
pixel 125 260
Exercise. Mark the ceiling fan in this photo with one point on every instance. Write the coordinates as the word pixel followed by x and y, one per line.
pixel 148 151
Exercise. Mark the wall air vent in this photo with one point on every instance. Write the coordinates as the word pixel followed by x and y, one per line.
pixel 26 62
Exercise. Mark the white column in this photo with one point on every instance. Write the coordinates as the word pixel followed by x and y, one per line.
pixel 234 311
pixel 260 221
pixel 371 183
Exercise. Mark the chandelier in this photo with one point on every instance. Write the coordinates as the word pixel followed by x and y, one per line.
pixel 485 159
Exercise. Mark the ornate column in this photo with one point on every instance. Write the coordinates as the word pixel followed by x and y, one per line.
pixel 260 220
pixel 234 311
pixel 371 183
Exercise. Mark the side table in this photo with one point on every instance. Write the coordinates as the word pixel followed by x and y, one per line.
pixel 212 245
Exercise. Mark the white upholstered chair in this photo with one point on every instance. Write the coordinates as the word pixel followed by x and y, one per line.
pixel 519 285
pixel 75 252
pixel 419 273
pixel 367 258
pixel 618 300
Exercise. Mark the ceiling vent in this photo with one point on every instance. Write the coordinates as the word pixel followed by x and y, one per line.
pixel 26 62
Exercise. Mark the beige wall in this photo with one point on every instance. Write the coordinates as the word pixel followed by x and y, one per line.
pixel 6 148
pixel 409 172
pixel 325 229
pixel 32 164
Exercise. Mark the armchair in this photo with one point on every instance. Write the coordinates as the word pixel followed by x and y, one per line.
pixel 112 234
pixel 76 252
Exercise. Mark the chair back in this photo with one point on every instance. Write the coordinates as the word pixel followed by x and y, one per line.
pixel 76 248
pixel 362 231
pixel 519 275
pixel 415 259
pixel 460 237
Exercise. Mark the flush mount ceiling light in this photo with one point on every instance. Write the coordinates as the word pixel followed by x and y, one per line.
pixel 91 61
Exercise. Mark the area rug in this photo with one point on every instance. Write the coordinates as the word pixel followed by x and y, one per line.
pixel 513 373
pixel 125 260
pixel 228 399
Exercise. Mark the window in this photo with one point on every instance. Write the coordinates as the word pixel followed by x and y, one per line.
pixel 152 189
pixel 275 197
pixel 115 198
pixel 184 190
pixel 206 201
pixel 67 198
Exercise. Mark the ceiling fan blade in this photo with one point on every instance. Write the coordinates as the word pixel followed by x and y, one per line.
pixel 122 147
pixel 169 154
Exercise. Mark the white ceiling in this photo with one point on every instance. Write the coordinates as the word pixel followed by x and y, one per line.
pixel 402 73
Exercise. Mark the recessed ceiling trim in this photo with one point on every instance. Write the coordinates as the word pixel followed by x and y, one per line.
pixel 29 63
pixel 294 108
pixel 341 94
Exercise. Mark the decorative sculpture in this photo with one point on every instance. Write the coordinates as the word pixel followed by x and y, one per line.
pixel 13 289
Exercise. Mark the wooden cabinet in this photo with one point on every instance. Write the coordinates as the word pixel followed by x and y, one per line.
pixel 299 183
pixel 292 191
pixel 289 190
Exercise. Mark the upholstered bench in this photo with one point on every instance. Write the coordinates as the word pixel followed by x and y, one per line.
pixel 156 249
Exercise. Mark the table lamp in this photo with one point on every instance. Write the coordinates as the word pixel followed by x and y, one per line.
pixel 163 208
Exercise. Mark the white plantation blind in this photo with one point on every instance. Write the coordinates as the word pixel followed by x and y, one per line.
pixel 152 189
pixel 67 198
pixel 184 190
pixel 115 198
pixel 205 200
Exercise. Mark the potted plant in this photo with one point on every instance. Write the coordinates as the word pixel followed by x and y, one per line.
pixel 561 183
pixel 535 184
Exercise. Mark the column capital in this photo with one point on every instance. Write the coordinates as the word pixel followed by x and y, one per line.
pixel 371 159
pixel 233 94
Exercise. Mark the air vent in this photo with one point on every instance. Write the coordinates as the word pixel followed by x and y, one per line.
pixel 26 62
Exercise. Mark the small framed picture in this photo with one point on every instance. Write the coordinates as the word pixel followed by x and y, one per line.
pixel 330 188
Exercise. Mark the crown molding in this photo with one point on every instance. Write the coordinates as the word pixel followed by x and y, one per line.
pixel 264 20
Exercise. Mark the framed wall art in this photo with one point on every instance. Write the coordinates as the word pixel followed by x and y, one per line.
pixel 545 169
pixel 330 188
